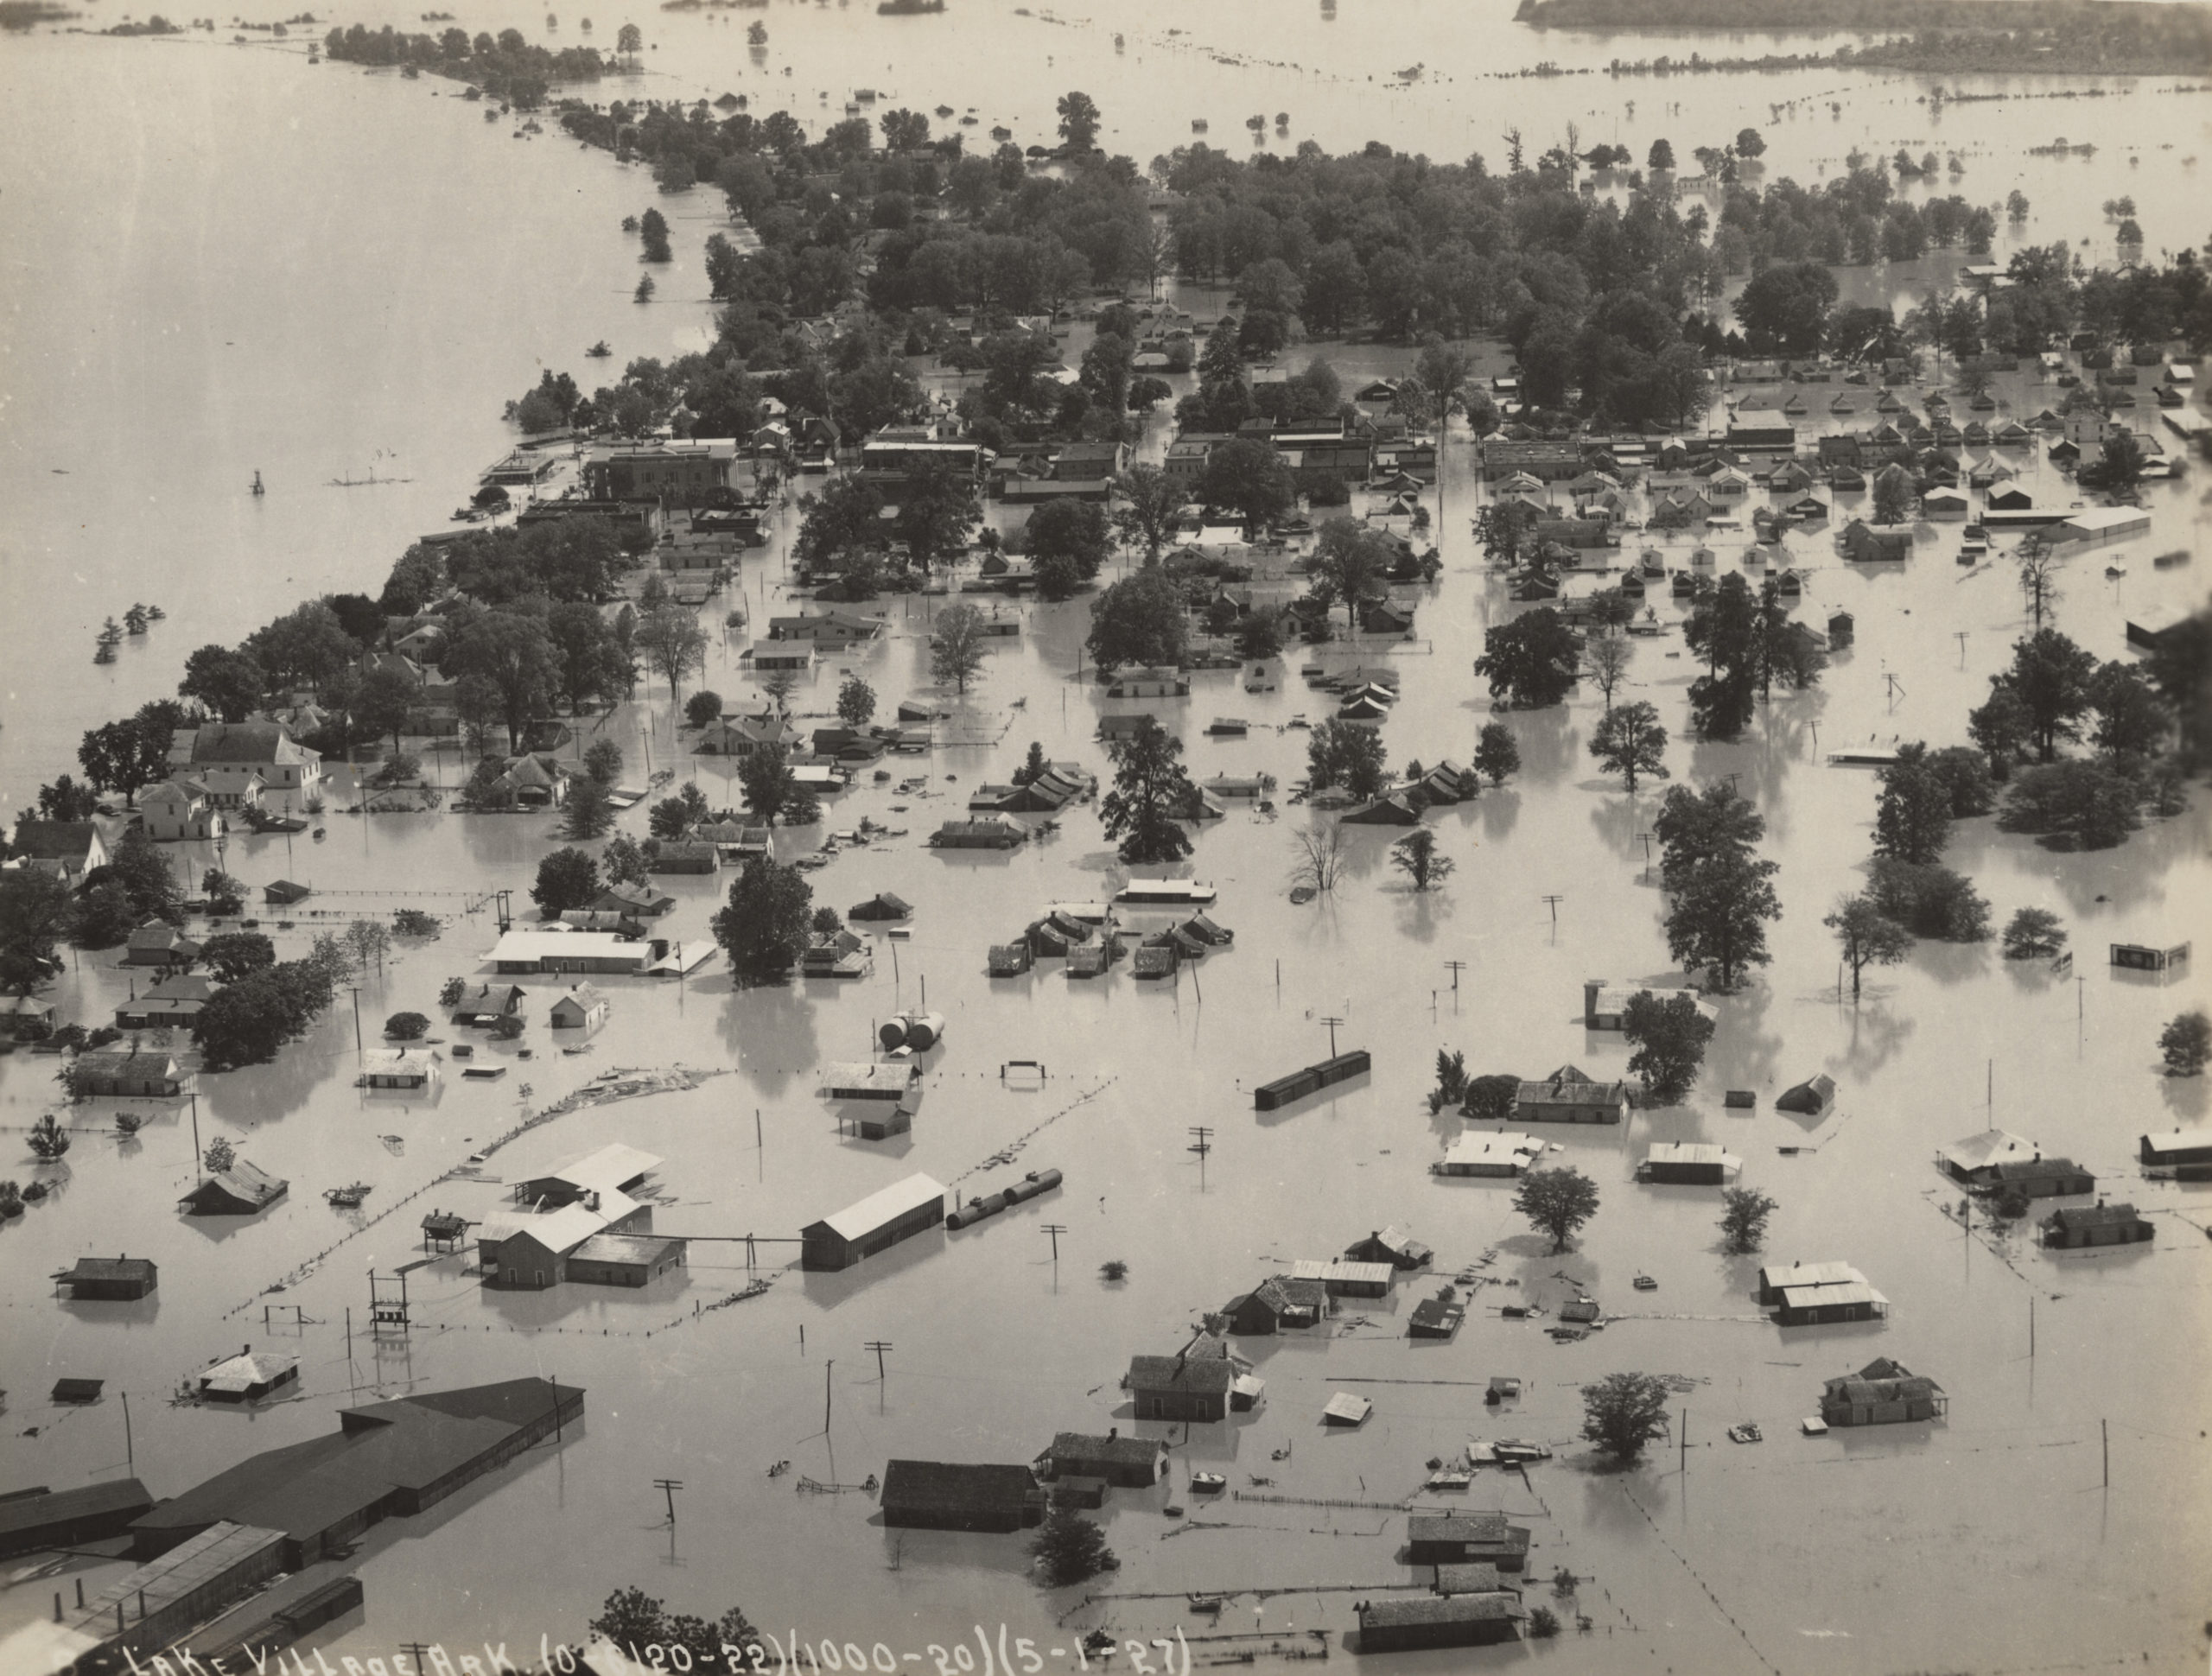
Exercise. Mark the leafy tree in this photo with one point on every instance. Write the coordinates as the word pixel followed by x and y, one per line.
pixel 220 1155
pixel 671 817
pixel 1661 156
pixel 1623 1413
pixel 1785 308
pixel 1604 659
pixel 1350 561
pixel 1965 774
pixel 603 761
pixel 842 525
pixel 126 756
pixel 2050 675
pixel 247 1022
pixel 652 235
pixel 1080 120
pixel 64 799
pixel 1630 741
pixel 1067 543
pixel 701 708
pixel 1723 629
pixel 1556 1201
pixel 1497 753
pixel 1491 1099
pixel 2033 933
pixel 958 647
pixel 305 646
pixel 589 812
pixel 673 643
pixel 1507 532
pixel 1344 754
pixel 1669 1039
pixel 2130 716
pixel 1543 1623
pixel 1259 635
pixel 2074 805
pixel 1146 504
pixel 623 861
pixel 2185 1044
pixel 2118 467
pixel 1717 915
pixel 771 788
pixel 1928 901
pixel 35 916
pixel 1895 495
pixel 228 683
pixel 1531 661
pixel 225 894
pixel 937 513
pixel 1149 785
pixel 1743 1216
pixel 103 917
pixel 507 653
pixel 1867 936
pixel 1912 821
pixel 149 889
pixel 230 956
pixel 407 1026
pixel 1248 478
pixel 1694 827
pixel 764 927
pixel 1069 1548
pixel 1451 1080
pixel 1138 620
pixel 1416 856
pixel 2002 726
pixel 567 879
pixel 383 702
pixel 855 702
pixel 636 1621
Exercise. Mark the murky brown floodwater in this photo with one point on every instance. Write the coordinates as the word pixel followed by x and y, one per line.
pixel 226 262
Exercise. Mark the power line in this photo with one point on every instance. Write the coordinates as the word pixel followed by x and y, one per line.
pixel 668 1486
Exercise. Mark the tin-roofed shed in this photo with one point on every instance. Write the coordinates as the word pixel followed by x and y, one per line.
pixel 874 1224
pixel 1414 1622
pixel 110 1280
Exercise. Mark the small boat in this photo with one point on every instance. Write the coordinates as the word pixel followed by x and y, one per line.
pixel 1748 1432
pixel 1208 1484
pixel 346 1198
pixel 1210 1605
pixel 1645 1283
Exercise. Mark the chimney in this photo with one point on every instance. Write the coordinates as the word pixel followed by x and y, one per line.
pixel 1589 988
pixel 1112 1432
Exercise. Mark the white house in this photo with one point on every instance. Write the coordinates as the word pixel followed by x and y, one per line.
pixel 239 762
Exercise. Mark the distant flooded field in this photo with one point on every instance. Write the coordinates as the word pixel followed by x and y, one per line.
pixel 369 290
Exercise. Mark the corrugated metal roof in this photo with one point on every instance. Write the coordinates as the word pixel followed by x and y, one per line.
pixel 1811 1274
pixel 886 1205
pixel 603 1169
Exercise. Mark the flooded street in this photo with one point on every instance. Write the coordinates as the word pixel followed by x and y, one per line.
pixel 366 295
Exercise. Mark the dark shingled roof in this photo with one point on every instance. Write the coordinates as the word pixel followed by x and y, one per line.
pixel 1440 1609
pixel 1125 1452
pixel 1211 1374
pixel 955 1485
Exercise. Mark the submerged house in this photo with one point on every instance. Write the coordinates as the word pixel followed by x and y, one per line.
pixel 1182 1387
pixel 1570 1094
pixel 1413 1623
pixel 1819 1294
pixel 1883 1393
pixel 247 1377
pixel 1451 1538
pixel 2074 1226
pixel 110 1279
pixel 1392 1245
pixel 1123 1463
pixel 1278 1304
pixel 1970 1161
pixel 1699 1163
pixel 243 1189
pixel 1505 1153
pixel 953 1495
pixel 543 1242
pixel 1810 1098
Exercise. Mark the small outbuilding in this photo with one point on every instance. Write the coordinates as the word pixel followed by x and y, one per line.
pixel 581 1006
pixel 1451 1538
pixel 1883 1393
pixel 243 1189
pixel 1435 1318
pixel 1346 1408
pixel 2071 1228
pixel 953 1495
pixel 874 1224
pixel 110 1279
pixel 1694 1163
pixel 1392 1245
pixel 247 1377
pixel 1810 1098
pixel 1417 1622
pixel 1486 1152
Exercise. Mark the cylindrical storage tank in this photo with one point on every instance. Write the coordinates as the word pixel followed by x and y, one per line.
pixel 1046 1180
pixel 923 1029
pixel 993 1204
pixel 956 1218
pixel 1021 1192
pixel 892 1033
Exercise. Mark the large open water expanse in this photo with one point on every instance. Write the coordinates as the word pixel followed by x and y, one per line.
pixel 220 260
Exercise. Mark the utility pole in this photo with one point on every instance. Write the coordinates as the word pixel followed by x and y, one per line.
pixel 668 1486
pixel 196 1154
pixel 130 1452
pixel 826 1366
pixel 356 988
pixel 1686 1441
pixel 1333 1021
pixel 1055 1229
pixel 879 1346
pixel 1455 967
pixel 2104 1431
pixel 420 1655
pixel 1202 1146
pixel 1553 902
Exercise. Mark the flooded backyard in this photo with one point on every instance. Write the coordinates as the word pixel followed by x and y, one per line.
pixel 372 291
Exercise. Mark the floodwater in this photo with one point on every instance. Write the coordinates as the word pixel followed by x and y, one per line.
pixel 224 261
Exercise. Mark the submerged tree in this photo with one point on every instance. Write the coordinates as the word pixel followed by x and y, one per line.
pixel 1631 741
pixel 1669 1039
pixel 1557 1202
pixel 1416 856
pixel 1623 1412
pixel 1149 786
pixel 1867 936
pixel 1069 1548
pixel 1743 1216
